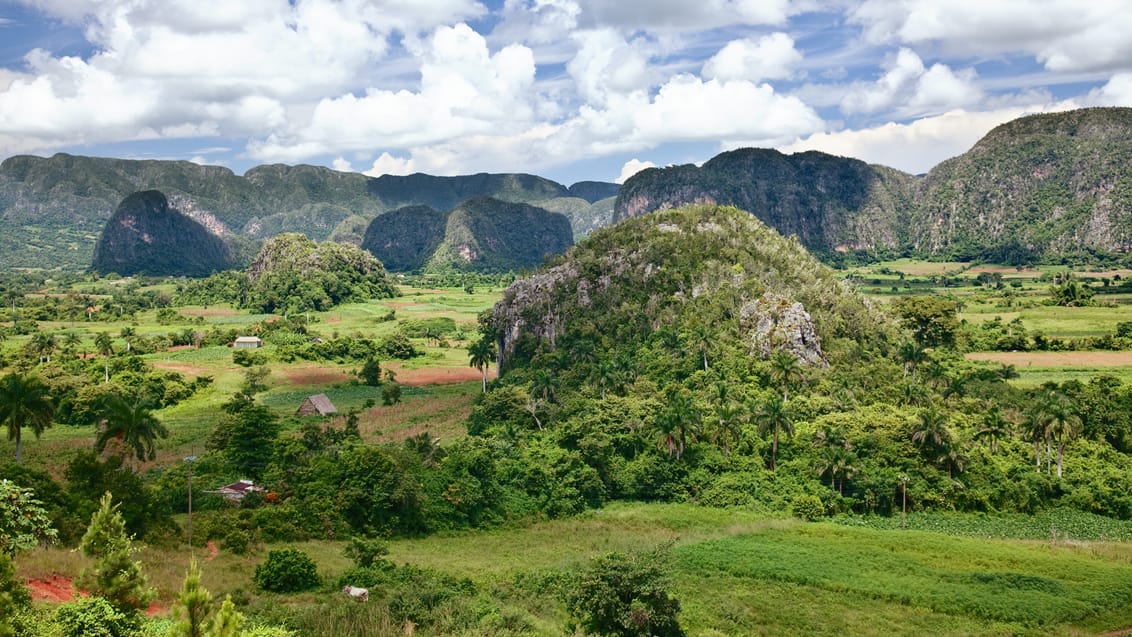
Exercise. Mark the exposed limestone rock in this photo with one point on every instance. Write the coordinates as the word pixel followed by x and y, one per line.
pixel 776 322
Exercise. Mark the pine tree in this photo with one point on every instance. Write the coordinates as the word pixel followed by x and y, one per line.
pixel 227 622
pixel 192 605
pixel 114 576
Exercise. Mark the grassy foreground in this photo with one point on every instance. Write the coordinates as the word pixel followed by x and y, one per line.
pixel 739 573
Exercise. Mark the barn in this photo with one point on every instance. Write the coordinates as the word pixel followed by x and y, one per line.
pixel 248 342
pixel 317 405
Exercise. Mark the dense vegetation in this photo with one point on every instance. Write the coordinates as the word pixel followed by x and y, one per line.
pixel 1039 189
pixel 481 234
pixel 146 236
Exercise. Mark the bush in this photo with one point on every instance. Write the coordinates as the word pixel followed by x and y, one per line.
pixel 248 358
pixel 286 571
pixel 397 346
pixel 95 617
pixel 625 595
pixel 807 507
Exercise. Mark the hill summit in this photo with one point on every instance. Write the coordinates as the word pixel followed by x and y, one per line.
pixel 482 234
pixel 146 236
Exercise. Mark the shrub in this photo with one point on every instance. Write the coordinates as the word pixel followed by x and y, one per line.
pixel 625 595
pixel 365 551
pixel 286 571
pixel 807 507
pixel 95 617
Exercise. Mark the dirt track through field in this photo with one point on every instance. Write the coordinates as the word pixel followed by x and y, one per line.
pixel 1056 359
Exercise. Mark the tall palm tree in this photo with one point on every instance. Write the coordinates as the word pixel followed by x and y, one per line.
pixel 995 427
pixel 772 416
pixel 951 455
pixel 932 429
pixel 105 347
pixel 1037 431
pixel 911 354
pixel 482 354
pixel 728 417
pixel 785 371
pixel 44 343
pixel 837 462
pixel 128 333
pixel 678 422
pixel 24 402
pixel 71 342
pixel 133 424
pixel 701 334
pixel 1064 424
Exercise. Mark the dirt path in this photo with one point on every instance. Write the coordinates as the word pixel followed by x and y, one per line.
pixel 59 589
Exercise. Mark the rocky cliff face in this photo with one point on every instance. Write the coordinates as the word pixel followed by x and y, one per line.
pixel 405 239
pixel 1030 190
pixel 830 203
pixel 146 236
pixel 1040 185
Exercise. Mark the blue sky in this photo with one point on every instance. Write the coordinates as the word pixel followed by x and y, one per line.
pixel 569 89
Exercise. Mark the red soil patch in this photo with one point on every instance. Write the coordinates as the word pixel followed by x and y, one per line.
pixel 1056 359
pixel 437 375
pixel 315 376
pixel 58 589
pixel 55 588
pixel 212 551
pixel 183 368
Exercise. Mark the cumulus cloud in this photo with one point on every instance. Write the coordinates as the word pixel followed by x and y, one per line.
pixel 1064 35
pixel 632 167
pixel 911 89
pixel 683 15
pixel 917 146
pixel 770 57
pixel 387 164
pixel 1116 92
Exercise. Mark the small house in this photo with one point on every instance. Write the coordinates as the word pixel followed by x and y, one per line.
pixel 238 489
pixel 248 342
pixel 317 405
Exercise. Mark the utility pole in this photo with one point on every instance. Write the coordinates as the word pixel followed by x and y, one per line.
pixel 190 460
pixel 903 503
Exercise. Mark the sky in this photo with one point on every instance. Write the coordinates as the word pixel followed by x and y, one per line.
pixel 571 90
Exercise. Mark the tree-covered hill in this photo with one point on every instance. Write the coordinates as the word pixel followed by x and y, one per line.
pixel 52 209
pixel 1037 186
pixel 481 234
pixel 1034 189
pixel 146 236
pixel 699 277
pixel 830 203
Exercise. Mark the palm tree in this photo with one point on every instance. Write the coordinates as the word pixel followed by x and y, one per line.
pixel 785 371
pixel 128 333
pixel 43 344
pixel 482 354
pixel 728 415
pixel 24 402
pixel 133 424
pixel 1064 424
pixel 995 427
pixel 604 375
pixel 71 342
pixel 932 430
pixel 678 422
pixel 772 416
pixel 951 454
pixel 701 334
pixel 105 347
pixel 911 354
pixel 836 462
pixel 1037 431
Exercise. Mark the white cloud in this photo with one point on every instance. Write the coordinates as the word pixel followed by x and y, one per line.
pixel 918 146
pixel 464 90
pixel 910 89
pixel 341 164
pixel 387 164
pixel 1064 35
pixel 537 21
pixel 658 15
pixel 1116 92
pixel 606 65
pixel 632 167
pixel 770 57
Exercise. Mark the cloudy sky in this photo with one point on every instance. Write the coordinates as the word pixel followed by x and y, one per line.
pixel 568 89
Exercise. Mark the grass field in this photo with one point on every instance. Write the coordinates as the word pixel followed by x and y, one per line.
pixel 739 573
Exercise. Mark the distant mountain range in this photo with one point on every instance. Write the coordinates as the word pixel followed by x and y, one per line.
pixel 53 209
pixel 1033 189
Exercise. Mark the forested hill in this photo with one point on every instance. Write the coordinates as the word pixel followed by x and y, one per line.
pixel 1033 189
pixel 146 236
pixel 482 234
pixel 52 209
pixel 830 203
